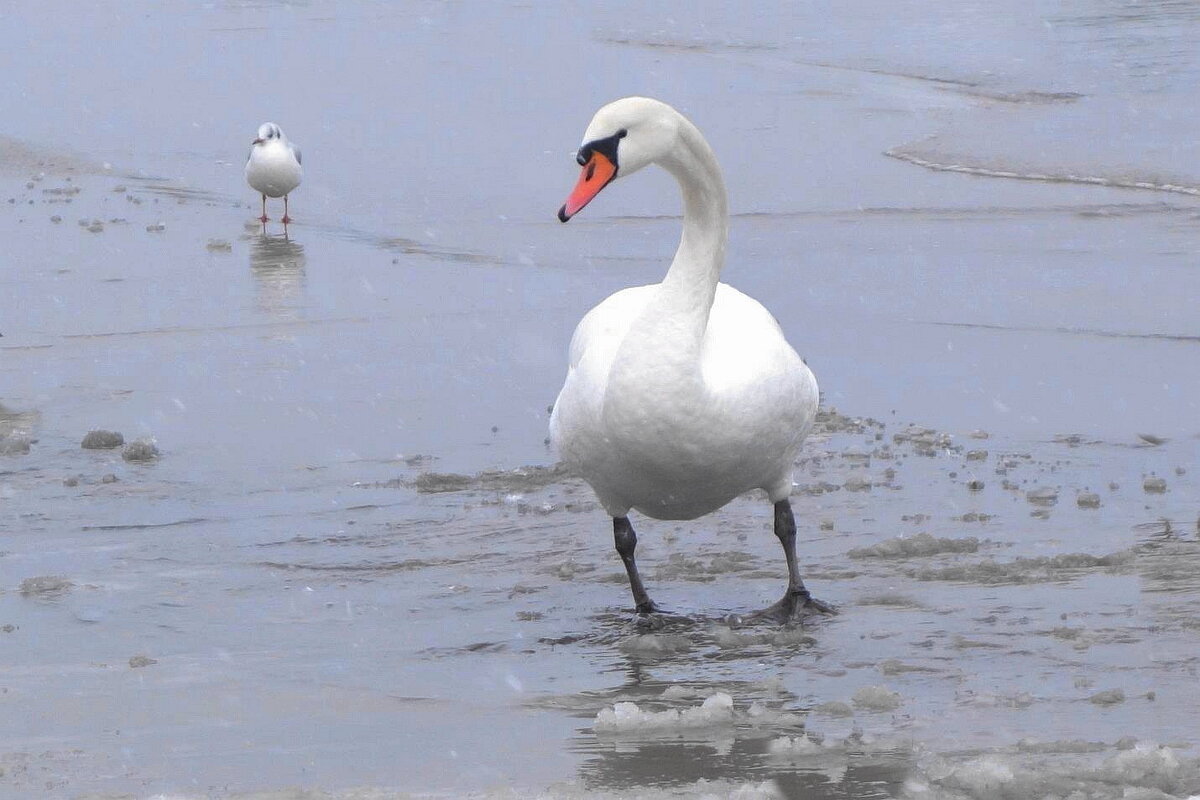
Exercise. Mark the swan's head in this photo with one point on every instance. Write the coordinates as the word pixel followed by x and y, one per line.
pixel 268 132
pixel 623 137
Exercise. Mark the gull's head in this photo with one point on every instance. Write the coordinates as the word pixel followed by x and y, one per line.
pixel 623 137
pixel 268 132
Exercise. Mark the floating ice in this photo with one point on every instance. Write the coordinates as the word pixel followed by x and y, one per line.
pixel 1142 772
pixel 715 711
pixel 1025 570
pixel 47 586
pixel 655 643
pixel 857 483
pixel 1154 485
pixel 794 746
pixel 876 698
pixel 140 450
pixel 729 639
pixel 834 708
pixel 102 440
pixel 1109 697
pixel 15 443
pixel 1042 496
pixel 922 544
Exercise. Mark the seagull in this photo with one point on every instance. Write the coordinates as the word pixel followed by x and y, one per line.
pixel 684 394
pixel 273 168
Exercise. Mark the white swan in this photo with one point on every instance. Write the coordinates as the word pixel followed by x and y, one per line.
pixel 273 168
pixel 680 395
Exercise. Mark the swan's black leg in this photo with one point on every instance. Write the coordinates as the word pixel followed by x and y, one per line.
pixel 797 597
pixel 626 541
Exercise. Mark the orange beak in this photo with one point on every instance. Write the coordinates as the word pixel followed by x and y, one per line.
pixel 597 173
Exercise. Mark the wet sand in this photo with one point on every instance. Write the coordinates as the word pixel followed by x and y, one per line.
pixel 349 567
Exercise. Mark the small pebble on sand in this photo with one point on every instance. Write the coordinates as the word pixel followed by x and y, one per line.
pixel 1087 500
pixel 141 661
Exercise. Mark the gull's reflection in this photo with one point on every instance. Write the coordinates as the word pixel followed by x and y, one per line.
pixel 277 264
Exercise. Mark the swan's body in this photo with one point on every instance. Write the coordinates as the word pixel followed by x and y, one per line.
pixel 681 395
pixel 678 440
pixel 273 168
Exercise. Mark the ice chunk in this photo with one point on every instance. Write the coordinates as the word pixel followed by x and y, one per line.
pixel 715 711
pixel 100 439
pixel 140 450
pixel 655 643
pixel 876 698
pixel 915 546
pixel 1109 697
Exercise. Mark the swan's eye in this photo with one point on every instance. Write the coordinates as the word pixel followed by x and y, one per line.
pixel 621 134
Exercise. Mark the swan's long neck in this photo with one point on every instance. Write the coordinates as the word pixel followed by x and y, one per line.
pixel 664 344
pixel 690 284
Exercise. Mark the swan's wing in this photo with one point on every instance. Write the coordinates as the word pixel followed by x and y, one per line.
pixel 603 328
pixel 593 348
pixel 747 361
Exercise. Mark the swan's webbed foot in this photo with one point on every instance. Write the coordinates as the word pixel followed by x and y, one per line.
pixel 792 607
pixel 648 606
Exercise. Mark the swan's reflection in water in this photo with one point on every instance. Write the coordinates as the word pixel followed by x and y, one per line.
pixel 847 766
pixel 277 264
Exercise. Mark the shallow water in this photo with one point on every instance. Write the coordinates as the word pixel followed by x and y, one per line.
pixel 338 575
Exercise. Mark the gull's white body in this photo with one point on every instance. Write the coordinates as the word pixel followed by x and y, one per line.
pixel 684 394
pixel 273 168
